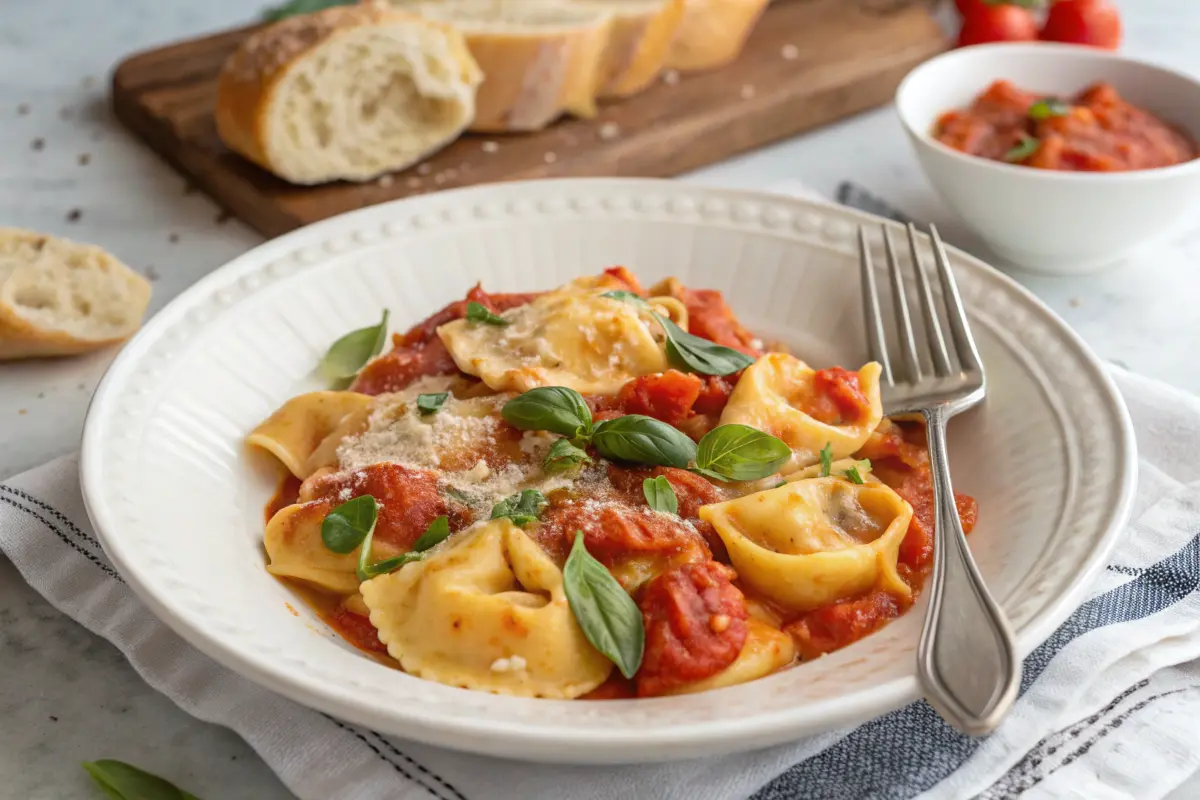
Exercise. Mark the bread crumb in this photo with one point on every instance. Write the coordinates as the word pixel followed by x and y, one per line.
pixel 173 238
pixel 151 275
pixel 489 147
pixel 790 52
pixel 22 109
pixel 550 158
pixel 84 159
pixel 38 144
pixel 1074 302
pixel 424 169
pixel 748 92
pixel 670 77
pixel 386 181
pixel 451 174
pixel 22 411
pixel 440 178
pixel 610 131
pixel 413 182
pixel 74 215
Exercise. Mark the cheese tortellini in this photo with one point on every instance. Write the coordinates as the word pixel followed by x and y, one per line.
pixel 767 649
pixel 813 542
pixel 486 611
pixel 771 396
pixel 570 337
pixel 305 432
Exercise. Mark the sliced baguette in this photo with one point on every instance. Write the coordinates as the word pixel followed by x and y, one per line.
pixel 59 298
pixel 346 93
pixel 540 58
pixel 713 32
pixel 641 38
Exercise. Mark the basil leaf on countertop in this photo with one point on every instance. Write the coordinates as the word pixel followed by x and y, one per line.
pixel 609 618
pixel 1027 147
pixel 660 495
pixel 741 453
pixel 550 408
pixel 350 353
pixel 121 781
pixel 643 440
pixel 478 312
pixel 522 508
pixel 345 527
pixel 563 455
pixel 1049 107
pixel 700 355
pixel 429 403
pixel 826 459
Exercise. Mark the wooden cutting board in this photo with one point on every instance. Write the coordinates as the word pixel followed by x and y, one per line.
pixel 809 62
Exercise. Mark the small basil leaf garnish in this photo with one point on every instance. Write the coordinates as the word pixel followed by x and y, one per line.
pixel 1049 107
pixel 550 408
pixel 295 7
pixel 121 781
pixel 700 355
pixel 826 459
pixel 435 534
pixel 429 403
pixel 345 527
pixel 350 353
pixel 522 508
pixel 609 618
pixel 1023 150
pixel 477 312
pixel 368 571
pixel 853 476
pixel 741 453
pixel 712 476
pixel 660 495
pixel 563 456
pixel 628 297
pixel 781 483
pixel 643 440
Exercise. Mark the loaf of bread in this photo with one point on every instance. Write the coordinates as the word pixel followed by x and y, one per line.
pixel 639 42
pixel 540 58
pixel 346 93
pixel 59 298
pixel 713 32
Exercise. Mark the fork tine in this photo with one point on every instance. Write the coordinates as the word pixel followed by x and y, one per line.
pixel 908 342
pixel 968 355
pixel 933 325
pixel 873 318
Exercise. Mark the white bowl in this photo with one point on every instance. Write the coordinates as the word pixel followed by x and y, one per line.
pixel 177 500
pixel 1061 223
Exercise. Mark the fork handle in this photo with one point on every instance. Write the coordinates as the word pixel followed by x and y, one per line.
pixel 967 659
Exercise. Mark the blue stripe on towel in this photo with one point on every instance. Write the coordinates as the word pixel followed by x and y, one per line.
pixel 910 750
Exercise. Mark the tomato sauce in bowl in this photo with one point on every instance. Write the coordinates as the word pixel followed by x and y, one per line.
pixel 1096 131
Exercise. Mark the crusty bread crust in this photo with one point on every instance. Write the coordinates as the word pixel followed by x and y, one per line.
pixel 713 32
pixel 639 44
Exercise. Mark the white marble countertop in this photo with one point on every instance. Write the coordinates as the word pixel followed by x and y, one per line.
pixel 67 168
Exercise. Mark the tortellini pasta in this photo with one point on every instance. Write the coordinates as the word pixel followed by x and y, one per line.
pixel 486 611
pixel 771 396
pixel 767 649
pixel 569 337
pixel 294 547
pixel 305 432
pixel 813 542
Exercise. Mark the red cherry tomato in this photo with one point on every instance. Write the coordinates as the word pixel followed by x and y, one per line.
pixel 1002 23
pixel 1091 22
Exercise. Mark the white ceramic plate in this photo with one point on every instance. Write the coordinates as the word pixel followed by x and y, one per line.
pixel 178 501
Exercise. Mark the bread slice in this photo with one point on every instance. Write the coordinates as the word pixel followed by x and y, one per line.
pixel 640 41
pixel 349 92
pixel 713 32
pixel 59 298
pixel 540 58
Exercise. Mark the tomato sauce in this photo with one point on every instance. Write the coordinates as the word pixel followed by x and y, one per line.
pixel 837 398
pixel 1096 131
pixel 285 495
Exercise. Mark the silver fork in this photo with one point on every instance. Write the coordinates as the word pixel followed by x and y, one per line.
pixel 967 659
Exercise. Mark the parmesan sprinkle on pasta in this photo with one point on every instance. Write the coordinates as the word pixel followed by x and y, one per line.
pixel 513 664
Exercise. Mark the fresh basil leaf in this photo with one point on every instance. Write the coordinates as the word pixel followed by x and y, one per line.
pixel 295 7
pixel 563 456
pixel 781 483
pixel 700 355
pixel 477 312
pixel 741 453
pixel 429 403
pixel 350 353
pixel 1049 107
pixel 522 508
pixel 345 527
pixel 550 408
pixel 121 781
pixel 368 571
pixel 853 476
pixel 826 459
pixel 643 440
pixel 1027 147
pixel 660 495
pixel 435 534
pixel 628 297
pixel 609 618
pixel 708 473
